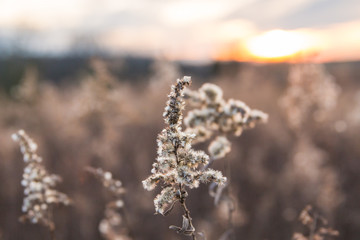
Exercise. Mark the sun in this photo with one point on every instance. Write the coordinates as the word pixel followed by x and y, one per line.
pixel 277 44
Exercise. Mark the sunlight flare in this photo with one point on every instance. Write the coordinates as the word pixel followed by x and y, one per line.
pixel 277 44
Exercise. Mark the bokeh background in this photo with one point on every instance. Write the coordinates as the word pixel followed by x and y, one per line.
pixel 88 81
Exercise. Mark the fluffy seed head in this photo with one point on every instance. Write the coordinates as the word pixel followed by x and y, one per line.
pixel 177 163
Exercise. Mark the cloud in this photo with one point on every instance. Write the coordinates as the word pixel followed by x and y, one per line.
pixel 198 42
pixel 330 48
pixel 297 13
pixel 265 13
pixel 323 13
pixel 194 11
pixel 180 29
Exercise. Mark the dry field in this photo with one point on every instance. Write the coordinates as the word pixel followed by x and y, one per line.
pixel 307 153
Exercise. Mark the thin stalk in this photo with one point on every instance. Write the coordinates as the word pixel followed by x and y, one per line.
pixel 186 210
pixel 231 209
pixel 183 199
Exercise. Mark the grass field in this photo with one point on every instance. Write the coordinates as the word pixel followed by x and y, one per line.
pixel 107 114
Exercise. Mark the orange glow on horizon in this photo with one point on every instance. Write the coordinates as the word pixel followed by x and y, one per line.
pixel 277 44
pixel 272 46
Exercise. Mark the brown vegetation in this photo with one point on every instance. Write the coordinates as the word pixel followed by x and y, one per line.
pixel 276 168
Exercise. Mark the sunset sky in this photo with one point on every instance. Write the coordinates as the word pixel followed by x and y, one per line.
pixel 247 30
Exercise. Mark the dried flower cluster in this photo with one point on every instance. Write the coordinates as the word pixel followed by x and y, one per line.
pixel 177 164
pixel 112 226
pixel 40 195
pixel 28 89
pixel 316 224
pixel 214 114
pixel 99 92
pixel 219 147
pixel 309 167
pixel 163 72
pixel 312 92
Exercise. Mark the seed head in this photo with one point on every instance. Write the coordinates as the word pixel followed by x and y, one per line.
pixel 38 185
pixel 177 164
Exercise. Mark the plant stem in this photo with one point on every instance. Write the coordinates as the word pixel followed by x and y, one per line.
pixel 186 211
pixel 183 199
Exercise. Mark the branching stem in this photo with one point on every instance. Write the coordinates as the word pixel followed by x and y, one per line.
pixel 183 199
pixel 186 210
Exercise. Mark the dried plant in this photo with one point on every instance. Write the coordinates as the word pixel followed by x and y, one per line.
pixel 311 93
pixel 310 96
pixel 112 226
pixel 219 147
pixel 316 225
pixel 177 164
pixel 40 195
pixel 99 91
pixel 92 133
pixel 162 73
pixel 213 115
pixel 309 167
pixel 28 89
pixel 216 114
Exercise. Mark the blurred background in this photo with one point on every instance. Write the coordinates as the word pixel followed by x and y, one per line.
pixel 88 81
